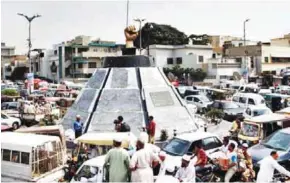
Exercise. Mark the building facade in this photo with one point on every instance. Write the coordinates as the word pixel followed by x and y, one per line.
pixel 7 56
pixel 78 58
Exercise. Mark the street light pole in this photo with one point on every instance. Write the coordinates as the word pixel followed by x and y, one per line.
pixel 29 19
pixel 140 27
pixel 245 62
pixel 127 13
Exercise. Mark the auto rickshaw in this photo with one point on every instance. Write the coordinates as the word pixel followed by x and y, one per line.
pixel 218 94
pixel 103 142
pixel 275 101
pixel 258 128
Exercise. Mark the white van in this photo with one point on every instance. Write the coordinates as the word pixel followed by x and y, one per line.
pixel 31 158
pixel 253 111
pixel 246 99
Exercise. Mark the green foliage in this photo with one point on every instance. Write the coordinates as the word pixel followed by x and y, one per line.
pixel 214 114
pixel 153 33
pixel 10 92
pixel 195 74
pixel 164 135
pixel 199 39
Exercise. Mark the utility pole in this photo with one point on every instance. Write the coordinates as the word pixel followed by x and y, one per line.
pixel 127 19
pixel 245 62
pixel 29 19
pixel 140 27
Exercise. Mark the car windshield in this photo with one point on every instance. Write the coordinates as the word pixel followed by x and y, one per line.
pixel 177 147
pixel 86 172
pixel 250 130
pixel 259 112
pixel 230 105
pixel 278 141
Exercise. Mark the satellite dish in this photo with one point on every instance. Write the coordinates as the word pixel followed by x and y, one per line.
pixel 236 76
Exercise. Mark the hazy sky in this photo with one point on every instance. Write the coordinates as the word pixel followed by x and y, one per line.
pixel 63 20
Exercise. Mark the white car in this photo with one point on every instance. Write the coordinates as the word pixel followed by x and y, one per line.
pixel 201 102
pixel 253 111
pixel 10 121
pixel 185 143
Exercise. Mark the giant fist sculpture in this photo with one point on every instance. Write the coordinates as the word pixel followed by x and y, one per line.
pixel 130 34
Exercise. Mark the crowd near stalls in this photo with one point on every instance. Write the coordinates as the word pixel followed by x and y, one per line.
pixel 35 146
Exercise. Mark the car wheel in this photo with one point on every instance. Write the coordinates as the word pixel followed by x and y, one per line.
pixel 15 125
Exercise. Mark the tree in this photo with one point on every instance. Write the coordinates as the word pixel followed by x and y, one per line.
pixel 199 39
pixel 153 33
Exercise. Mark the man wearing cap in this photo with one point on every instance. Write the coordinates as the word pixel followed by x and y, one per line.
pixel 246 163
pixel 118 160
pixel 186 173
pixel 78 126
pixel 168 176
pixel 142 162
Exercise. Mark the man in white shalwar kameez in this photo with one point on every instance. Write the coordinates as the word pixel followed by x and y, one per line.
pixel 186 173
pixel 267 167
pixel 142 162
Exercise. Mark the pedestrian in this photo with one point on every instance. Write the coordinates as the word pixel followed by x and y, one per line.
pixel 151 129
pixel 186 173
pixel 160 168
pixel 78 126
pixel 233 162
pixel 246 162
pixel 142 162
pixel 118 161
pixel 226 143
pixel 121 126
pixel 268 166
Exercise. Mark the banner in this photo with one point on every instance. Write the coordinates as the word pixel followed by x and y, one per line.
pixel 30 82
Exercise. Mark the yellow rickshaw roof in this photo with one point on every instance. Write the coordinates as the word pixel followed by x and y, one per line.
pixel 107 138
pixel 284 111
pixel 268 118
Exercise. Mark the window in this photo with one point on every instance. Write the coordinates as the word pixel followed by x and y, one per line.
pixel 80 65
pixel 236 99
pixel 200 58
pixel 15 156
pixel 6 155
pixel 217 105
pixel 211 143
pixel 169 61
pixel 92 65
pixel 213 55
pixel 248 111
pixel 25 158
pixel 266 59
pixel 243 100
pixel 189 98
pixel 196 99
pixel 239 60
pixel 3 116
pixel 55 52
pixel 251 101
pixel 179 60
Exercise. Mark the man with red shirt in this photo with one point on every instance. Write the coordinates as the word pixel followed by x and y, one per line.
pixel 151 130
pixel 201 157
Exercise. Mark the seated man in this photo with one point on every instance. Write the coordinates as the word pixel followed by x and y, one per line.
pixel 185 173
pixel 168 176
pixel 201 157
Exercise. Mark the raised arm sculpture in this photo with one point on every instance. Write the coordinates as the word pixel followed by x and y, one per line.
pixel 130 34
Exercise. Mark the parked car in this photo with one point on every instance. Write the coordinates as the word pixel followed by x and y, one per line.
pixel 278 141
pixel 253 111
pixel 247 99
pixel 10 105
pixel 201 101
pixel 185 143
pixel 230 109
pixel 10 121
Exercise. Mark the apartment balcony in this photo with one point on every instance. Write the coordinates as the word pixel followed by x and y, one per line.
pixel 95 54
pixel 84 70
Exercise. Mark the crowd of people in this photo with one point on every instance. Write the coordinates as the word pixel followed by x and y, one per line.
pixel 143 164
